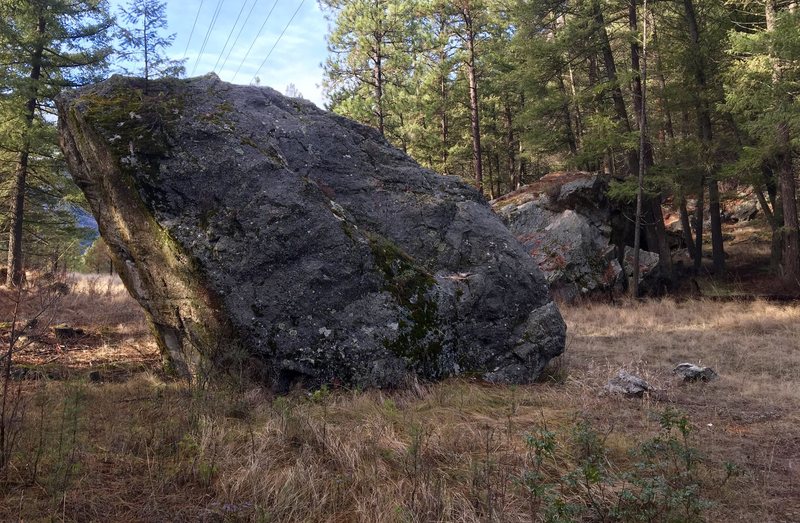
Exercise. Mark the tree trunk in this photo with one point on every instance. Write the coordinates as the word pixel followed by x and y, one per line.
pixel 499 179
pixel 785 170
pixel 714 211
pixel 15 266
pixel 567 116
pixel 377 77
pixel 656 232
pixel 146 52
pixel 662 84
pixel 773 219
pixel 443 124
pixel 474 114
pixel 574 104
pixel 698 227
pixel 621 112
pixel 636 88
pixel 791 228
pixel 705 133
pixel 686 229
pixel 512 160
pixel 490 176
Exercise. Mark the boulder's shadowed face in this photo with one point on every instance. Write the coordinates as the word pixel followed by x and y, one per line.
pixel 258 230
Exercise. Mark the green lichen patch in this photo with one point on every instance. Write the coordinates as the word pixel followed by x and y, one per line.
pixel 220 116
pixel 419 338
pixel 136 121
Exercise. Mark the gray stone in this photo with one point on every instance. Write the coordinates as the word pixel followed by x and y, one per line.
pixel 627 384
pixel 258 230
pixel 563 220
pixel 692 372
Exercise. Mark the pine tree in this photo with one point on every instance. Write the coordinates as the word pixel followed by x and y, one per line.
pixel 760 94
pixel 370 50
pixel 142 43
pixel 48 45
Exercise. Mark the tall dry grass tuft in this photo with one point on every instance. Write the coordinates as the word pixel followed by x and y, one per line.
pixel 100 299
pixel 110 326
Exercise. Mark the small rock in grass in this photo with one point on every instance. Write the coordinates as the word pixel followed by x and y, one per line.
pixel 65 332
pixel 692 372
pixel 627 384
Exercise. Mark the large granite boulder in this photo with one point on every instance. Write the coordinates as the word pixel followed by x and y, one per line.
pixel 259 230
pixel 565 221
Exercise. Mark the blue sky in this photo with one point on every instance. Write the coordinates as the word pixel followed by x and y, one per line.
pixel 296 58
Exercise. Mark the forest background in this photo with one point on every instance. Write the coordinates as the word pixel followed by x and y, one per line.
pixel 700 95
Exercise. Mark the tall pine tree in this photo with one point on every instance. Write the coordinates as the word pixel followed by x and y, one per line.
pixel 48 45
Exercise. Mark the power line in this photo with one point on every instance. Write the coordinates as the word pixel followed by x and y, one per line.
pixel 231 33
pixel 235 40
pixel 279 37
pixel 254 41
pixel 208 33
pixel 191 33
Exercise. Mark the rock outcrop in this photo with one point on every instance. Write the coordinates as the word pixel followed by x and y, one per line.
pixel 565 222
pixel 258 230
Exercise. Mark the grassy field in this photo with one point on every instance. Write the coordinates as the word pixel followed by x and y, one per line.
pixel 101 435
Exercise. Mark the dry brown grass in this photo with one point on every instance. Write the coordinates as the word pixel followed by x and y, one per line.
pixel 115 332
pixel 147 449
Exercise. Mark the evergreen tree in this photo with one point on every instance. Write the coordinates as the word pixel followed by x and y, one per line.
pixel 46 45
pixel 370 48
pixel 142 42
pixel 501 92
pixel 760 93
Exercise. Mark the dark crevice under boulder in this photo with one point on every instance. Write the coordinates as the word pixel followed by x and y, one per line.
pixel 259 231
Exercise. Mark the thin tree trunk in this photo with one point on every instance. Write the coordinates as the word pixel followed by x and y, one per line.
pixel 773 219
pixel 715 213
pixel 706 136
pixel 639 85
pixel 578 111
pixel 785 171
pixel 15 266
pixel 377 77
pixel 656 232
pixel 636 87
pixel 791 228
pixel 662 84
pixel 512 160
pixel 575 107
pixel 621 112
pixel 490 176
pixel 146 52
pixel 474 112
pixel 443 123
pixel 687 229
pixel 567 115
pixel 498 170
pixel 698 227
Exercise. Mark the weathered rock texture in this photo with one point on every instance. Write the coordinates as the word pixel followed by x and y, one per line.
pixel 692 372
pixel 567 224
pixel 259 229
pixel 627 384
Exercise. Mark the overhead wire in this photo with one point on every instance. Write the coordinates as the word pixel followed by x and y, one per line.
pixel 244 4
pixel 208 33
pixel 279 37
pixel 191 33
pixel 235 40
pixel 254 41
